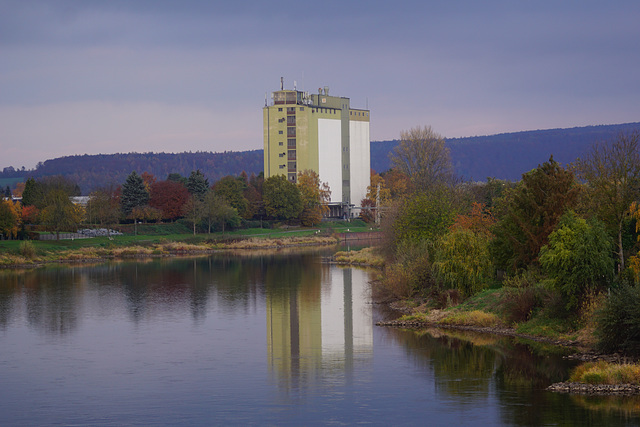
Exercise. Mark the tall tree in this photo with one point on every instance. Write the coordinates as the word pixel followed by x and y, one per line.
pixel 530 213
pixel 577 258
pixel 33 194
pixel 9 219
pixel 232 190
pixel 61 214
pixel 103 207
pixel 422 155
pixel 194 211
pixel 148 179
pixel 314 195
pixel 176 177
pixel 169 197
pixel 218 211
pixel 134 193
pixel 612 173
pixel 425 216
pixel 197 184
pixel 281 198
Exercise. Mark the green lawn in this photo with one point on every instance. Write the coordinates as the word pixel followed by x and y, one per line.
pixel 158 233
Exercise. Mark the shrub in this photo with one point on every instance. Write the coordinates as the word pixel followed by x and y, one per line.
pixel 410 273
pixel 475 318
pixel 462 261
pixel 447 298
pixel 618 322
pixel 27 249
pixel 520 303
pixel 602 372
pixel 577 258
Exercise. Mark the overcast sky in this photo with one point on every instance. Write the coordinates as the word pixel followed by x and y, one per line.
pixel 113 76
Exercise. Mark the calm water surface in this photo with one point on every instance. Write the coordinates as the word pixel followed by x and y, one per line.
pixel 256 339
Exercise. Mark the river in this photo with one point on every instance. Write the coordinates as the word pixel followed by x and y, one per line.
pixel 257 339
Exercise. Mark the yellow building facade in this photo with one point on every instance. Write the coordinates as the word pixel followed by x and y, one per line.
pixel 321 133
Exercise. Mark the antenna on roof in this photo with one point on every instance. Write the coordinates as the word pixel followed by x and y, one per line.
pixel 281 83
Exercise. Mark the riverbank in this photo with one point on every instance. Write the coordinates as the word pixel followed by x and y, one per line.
pixel 27 256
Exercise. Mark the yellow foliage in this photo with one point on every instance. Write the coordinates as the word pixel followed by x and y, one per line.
pixel 9 218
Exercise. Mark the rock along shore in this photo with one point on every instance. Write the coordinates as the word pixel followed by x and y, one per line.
pixel 595 389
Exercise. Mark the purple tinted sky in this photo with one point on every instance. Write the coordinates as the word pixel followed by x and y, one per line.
pixel 118 76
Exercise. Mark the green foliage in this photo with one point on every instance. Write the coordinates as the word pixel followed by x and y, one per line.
pixel 60 214
pixel 529 214
pixel 577 258
pixel 194 211
pixel 197 184
pixel 218 212
pixel 232 190
pixel 134 193
pixel 33 193
pixel 425 216
pixel 462 261
pixel 176 177
pixel 27 249
pixel 410 273
pixel 612 171
pixel 281 198
pixel 618 322
pixel 103 207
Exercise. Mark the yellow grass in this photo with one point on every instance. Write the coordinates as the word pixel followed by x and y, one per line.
pixel 472 318
pixel 367 256
pixel 602 372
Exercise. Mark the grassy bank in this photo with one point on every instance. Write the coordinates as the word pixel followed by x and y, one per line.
pixel 165 240
pixel 602 372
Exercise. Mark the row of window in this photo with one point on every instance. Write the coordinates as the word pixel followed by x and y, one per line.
pixel 291 155
pixel 291 143
pixel 290 110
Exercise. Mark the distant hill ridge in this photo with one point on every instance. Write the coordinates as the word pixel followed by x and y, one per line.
pixel 504 156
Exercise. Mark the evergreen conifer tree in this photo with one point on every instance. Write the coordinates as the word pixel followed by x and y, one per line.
pixel 134 193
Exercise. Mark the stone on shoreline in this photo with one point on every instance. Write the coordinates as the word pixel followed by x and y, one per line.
pixel 595 389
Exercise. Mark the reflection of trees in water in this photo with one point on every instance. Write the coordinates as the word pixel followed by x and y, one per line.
pixel 626 406
pixel 473 366
pixel 10 286
pixel 51 299
pixel 150 287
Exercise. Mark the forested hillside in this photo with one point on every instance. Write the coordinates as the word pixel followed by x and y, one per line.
pixel 96 171
pixel 509 155
pixel 503 156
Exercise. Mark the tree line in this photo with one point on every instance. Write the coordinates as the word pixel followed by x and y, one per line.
pixel 142 198
pixel 562 238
